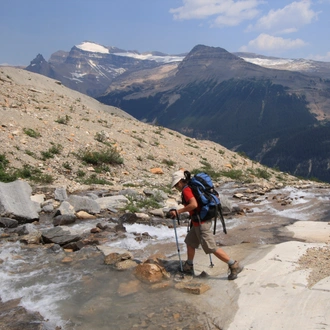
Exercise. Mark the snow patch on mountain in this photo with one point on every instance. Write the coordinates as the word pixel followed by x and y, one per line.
pixel 151 57
pixel 92 47
pixel 281 63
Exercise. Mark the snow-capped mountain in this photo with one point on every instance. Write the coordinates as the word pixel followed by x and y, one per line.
pixel 90 68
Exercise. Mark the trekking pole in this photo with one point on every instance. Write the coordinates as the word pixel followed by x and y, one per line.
pixel 222 221
pixel 211 263
pixel 176 238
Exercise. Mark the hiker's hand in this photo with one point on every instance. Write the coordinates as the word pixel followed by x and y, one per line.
pixel 172 214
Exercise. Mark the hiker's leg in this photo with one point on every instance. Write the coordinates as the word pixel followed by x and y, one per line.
pixel 190 252
pixel 222 255
pixel 192 243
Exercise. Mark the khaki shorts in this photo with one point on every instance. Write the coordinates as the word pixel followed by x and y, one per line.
pixel 202 235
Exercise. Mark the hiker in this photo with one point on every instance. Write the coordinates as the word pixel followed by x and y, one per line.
pixel 199 232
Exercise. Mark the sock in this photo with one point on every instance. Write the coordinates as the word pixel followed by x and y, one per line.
pixel 231 262
pixel 190 262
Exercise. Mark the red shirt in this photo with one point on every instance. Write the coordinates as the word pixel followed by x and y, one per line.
pixel 187 195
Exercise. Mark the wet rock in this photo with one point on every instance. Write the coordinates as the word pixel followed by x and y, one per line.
pixel 8 223
pixel 84 215
pixel 192 287
pixel 160 286
pixel 95 230
pixel 20 230
pixel 74 246
pixel 32 238
pixel 125 264
pixel 151 271
pixel 59 236
pixel 55 248
pixel 17 317
pixel 63 220
pixel 115 257
pixel 129 218
pixel 128 288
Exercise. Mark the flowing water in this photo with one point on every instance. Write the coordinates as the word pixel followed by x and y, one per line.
pixel 83 293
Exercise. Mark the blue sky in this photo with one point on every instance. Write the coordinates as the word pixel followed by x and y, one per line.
pixel 290 29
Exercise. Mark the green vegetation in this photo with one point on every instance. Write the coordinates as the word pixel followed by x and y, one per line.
pixel 94 179
pixel 259 173
pixel 106 156
pixel 27 172
pixel 56 149
pixel 67 166
pixel 168 162
pixel 63 120
pixel 31 132
pixel 136 205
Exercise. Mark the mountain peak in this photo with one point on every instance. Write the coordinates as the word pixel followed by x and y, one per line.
pixel 207 51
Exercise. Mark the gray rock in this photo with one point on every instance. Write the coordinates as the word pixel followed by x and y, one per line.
pixel 47 206
pixel 59 236
pixel 15 201
pixel 92 196
pixel 20 230
pixel 64 219
pixel 60 194
pixel 225 204
pixel 128 192
pixel 66 208
pixel 110 202
pixel 83 203
pixel 8 223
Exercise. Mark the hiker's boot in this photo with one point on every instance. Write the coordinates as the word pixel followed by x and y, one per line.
pixel 233 270
pixel 188 269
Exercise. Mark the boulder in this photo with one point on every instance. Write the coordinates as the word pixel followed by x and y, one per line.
pixel 117 201
pixel 15 201
pixel 82 203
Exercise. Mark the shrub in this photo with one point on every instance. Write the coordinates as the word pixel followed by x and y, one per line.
pixel 107 156
pixel 63 120
pixel 168 162
pixel 94 179
pixel 53 150
pixel 31 132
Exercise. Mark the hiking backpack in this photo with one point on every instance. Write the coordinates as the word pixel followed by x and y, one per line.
pixel 207 198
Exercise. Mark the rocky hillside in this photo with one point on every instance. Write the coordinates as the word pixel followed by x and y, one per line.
pixel 52 134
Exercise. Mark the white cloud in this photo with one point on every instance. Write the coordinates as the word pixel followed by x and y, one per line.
pixel 288 19
pixel 325 58
pixel 266 42
pixel 223 12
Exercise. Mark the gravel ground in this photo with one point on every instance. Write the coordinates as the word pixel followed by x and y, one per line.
pixel 318 260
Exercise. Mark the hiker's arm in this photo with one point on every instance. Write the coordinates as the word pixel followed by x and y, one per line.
pixel 192 204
